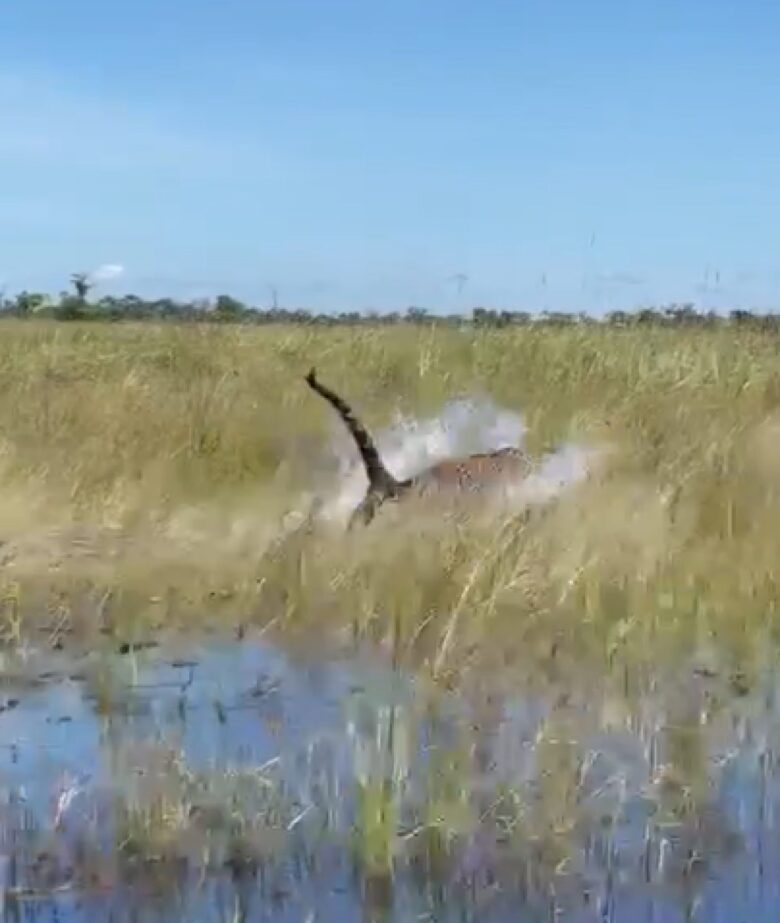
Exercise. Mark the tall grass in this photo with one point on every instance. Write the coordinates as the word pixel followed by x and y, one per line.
pixel 150 465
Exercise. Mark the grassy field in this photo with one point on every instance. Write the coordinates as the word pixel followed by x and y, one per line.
pixel 613 652
pixel 146 468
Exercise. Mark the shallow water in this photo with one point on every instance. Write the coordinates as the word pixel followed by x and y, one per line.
pixel 223 781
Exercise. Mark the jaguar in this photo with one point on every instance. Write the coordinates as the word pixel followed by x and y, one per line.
pixel 470 473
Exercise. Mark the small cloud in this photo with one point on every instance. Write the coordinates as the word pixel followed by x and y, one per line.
pixel 106 272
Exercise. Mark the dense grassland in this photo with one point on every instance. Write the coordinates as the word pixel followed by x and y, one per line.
pixel 146 469
pixel 531 707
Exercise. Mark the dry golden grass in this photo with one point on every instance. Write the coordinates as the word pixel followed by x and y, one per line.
pixel 145 470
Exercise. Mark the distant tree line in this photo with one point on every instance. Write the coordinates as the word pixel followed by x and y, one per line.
pixel 76 305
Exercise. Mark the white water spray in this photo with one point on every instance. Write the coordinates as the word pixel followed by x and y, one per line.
pixel 462 428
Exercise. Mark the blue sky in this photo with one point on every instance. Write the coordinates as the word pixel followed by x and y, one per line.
pixel 557 154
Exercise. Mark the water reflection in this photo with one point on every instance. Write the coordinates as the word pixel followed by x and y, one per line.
pixel 231 783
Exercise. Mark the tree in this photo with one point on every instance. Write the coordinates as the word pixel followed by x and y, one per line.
pixel 415 315
pixel 227 308
pixel 70 307
pixel 82 284
pixel 27 303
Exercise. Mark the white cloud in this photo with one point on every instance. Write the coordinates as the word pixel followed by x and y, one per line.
pixel 106 272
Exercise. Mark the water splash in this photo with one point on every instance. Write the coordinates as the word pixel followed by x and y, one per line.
pixel 558 470
pixel 463 427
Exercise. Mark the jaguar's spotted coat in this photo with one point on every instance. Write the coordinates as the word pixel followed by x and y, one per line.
pixel 470 473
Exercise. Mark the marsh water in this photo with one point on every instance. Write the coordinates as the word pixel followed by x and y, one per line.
pixel 224 779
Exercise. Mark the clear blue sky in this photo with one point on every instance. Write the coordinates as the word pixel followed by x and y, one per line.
pixel 360 153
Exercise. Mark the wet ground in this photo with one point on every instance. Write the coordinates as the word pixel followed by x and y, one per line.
pixel 231 781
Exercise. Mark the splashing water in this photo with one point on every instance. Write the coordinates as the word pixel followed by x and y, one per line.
pixel 463 427
pixel 568 465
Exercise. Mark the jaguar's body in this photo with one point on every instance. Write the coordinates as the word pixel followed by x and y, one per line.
pixel 469 473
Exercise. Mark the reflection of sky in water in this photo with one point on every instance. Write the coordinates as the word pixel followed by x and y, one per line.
pixel 329 723
pixel 37 747
pixel 244 706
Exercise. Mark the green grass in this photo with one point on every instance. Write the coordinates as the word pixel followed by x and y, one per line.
pixel 150 466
